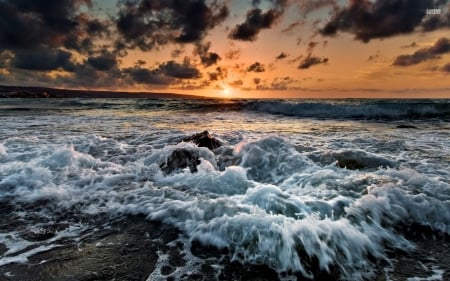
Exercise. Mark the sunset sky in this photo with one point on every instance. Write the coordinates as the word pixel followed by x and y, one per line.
pixel 259 48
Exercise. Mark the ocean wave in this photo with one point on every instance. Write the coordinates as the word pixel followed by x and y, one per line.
pixel 355 110
pixel 269 203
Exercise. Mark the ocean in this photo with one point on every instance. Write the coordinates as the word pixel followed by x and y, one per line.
pixel 298 190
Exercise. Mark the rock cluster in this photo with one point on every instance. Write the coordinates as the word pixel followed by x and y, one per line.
pixel 182 158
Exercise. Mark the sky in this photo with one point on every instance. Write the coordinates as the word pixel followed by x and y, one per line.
pixel 232 48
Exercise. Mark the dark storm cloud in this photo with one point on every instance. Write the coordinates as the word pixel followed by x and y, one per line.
pixel 440 47
pixel 310 60
pixel 105 61
pixel 256 67
pixel 31 23
pixel 368 20
pixel 43 59
pixel 148 24
pixel 255 21
pixel 146 76
pixel 177 70
pixel 207 58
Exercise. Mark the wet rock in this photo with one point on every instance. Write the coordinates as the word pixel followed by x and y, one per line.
pixel 350 164
pixel 40 234
pixel 237 271
pixel 180 159
pixel 356 160
pixel 204 251
pixel 204 139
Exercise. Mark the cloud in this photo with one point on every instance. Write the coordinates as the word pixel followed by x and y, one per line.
pixel 146 24
pixel 281 56
pixel 177 70
pixel 207 58
pixel 30 24
pixel 257 81
pixel 311 46
pixel 167 73
pixel 255 21
pixel 256 67
pixel 43 59
pixel 219 74
pixel 368 19
pixel 146 76
pixel 278 84
pixel 103 62
pixel 233 54
pixel 441 46
pixel 310 60
pixel 176 53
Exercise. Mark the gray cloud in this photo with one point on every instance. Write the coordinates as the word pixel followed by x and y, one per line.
pixel 441 46
pixel 148 24
pixel 177 70
pixel 43 59
pixel 368 20
pixel 207 58
pixel 255 21
pixel 104 62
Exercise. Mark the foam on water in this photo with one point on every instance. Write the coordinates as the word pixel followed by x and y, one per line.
pixel 279 200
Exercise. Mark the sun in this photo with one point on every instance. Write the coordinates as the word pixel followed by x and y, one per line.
pixel 226 91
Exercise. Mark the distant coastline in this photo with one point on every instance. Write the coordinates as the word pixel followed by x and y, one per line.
pixel 42 92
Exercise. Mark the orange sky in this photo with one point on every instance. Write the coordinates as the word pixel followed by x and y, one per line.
pixel 287 54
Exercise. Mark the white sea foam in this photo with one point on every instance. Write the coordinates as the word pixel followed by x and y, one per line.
pixel 3 149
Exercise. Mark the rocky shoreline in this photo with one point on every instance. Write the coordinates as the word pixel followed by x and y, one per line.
pixel 130 249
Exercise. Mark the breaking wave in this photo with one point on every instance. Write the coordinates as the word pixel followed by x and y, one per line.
pixel 355 110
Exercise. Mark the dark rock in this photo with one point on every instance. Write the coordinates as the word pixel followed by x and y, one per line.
pixel 350 164
pixel 166 270
pixel 204 139
pixel 356 160
pixel 237 271
pixel 180 159
pixel 204 251
pixel 40 234
pixel 406 127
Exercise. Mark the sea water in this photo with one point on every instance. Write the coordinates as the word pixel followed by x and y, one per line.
pixel 282 201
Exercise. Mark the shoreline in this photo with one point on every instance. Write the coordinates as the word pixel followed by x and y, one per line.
pixel 132 249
